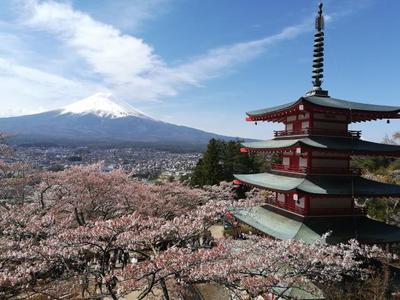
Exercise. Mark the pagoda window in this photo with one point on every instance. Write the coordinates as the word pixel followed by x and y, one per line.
pixel 291 118
pixel 305 125
pixel 280 197
pixel 286 161
pixel 300 202
pixel 303 162
pixel 289 126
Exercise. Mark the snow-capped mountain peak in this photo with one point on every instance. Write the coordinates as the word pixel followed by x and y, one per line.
pixel 103 105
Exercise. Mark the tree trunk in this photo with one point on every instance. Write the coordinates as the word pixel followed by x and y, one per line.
pixel 112 294
pixel 41 200
pixel 77 217
pixel 164 289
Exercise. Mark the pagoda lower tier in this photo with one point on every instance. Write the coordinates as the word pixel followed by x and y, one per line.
pixel 314 195
pixel 314 189
pixel 275 223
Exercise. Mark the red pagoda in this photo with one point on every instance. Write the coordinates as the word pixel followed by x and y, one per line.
pixel 314 184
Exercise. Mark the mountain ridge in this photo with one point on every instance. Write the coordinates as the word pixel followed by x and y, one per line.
pixel 99 120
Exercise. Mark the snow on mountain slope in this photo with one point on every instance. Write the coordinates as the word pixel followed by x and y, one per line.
pixel 100 120
pixel 102 105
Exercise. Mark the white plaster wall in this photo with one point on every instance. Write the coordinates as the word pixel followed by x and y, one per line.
pixel 281 197
pixel 286 161
pixel 303 162
pixel 300 202
pixel 305 124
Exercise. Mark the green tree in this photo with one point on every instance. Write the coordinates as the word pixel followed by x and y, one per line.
pixel 212 163
pixel 222 160
pixel 197 175
pixel 377 165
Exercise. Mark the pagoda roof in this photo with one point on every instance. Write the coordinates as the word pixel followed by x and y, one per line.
pixel 310 229
pixel 321 185
pixel 356 146
pixel 350 107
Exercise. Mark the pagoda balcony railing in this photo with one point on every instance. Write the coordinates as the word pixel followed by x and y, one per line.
pixel 317 211
pixel 319 131
pixel 279 167
pixel 316 171
pixel 286 206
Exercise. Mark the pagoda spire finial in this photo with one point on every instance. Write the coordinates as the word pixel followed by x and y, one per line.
pixel 318 61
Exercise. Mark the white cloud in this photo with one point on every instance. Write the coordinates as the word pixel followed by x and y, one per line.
pixel 218 60
pixel 26 90
pixel 116 56
pixel 132 14
pixel 127 64
pixel 109 61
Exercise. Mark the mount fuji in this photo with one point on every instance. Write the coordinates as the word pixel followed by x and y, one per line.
pixel 102 105
pixel 103 121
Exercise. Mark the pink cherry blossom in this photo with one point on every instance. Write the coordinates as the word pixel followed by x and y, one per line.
pixel 82 227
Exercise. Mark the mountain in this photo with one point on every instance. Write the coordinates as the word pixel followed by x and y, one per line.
pixel 101 120
pixel 102 105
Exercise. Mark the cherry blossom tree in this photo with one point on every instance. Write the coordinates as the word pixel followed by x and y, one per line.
pixel 104 234
pixel 256 266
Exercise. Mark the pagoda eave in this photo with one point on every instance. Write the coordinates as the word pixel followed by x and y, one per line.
pixel 322 185
pixel 301 192
pixel 355 112
pixel 348 152
pixel 334 145
pixel 311 229
pixel 253 185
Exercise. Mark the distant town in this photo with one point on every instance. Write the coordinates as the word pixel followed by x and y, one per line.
pixel 148 164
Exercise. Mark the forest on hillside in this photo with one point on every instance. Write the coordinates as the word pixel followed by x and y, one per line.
pixel 383 169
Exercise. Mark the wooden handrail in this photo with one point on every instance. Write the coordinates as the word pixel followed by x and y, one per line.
pixel 324 170
pixel 318 211
pixel 318 131
pixel 279 167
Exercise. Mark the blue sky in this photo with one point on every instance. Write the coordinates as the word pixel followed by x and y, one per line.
pixel 200 63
